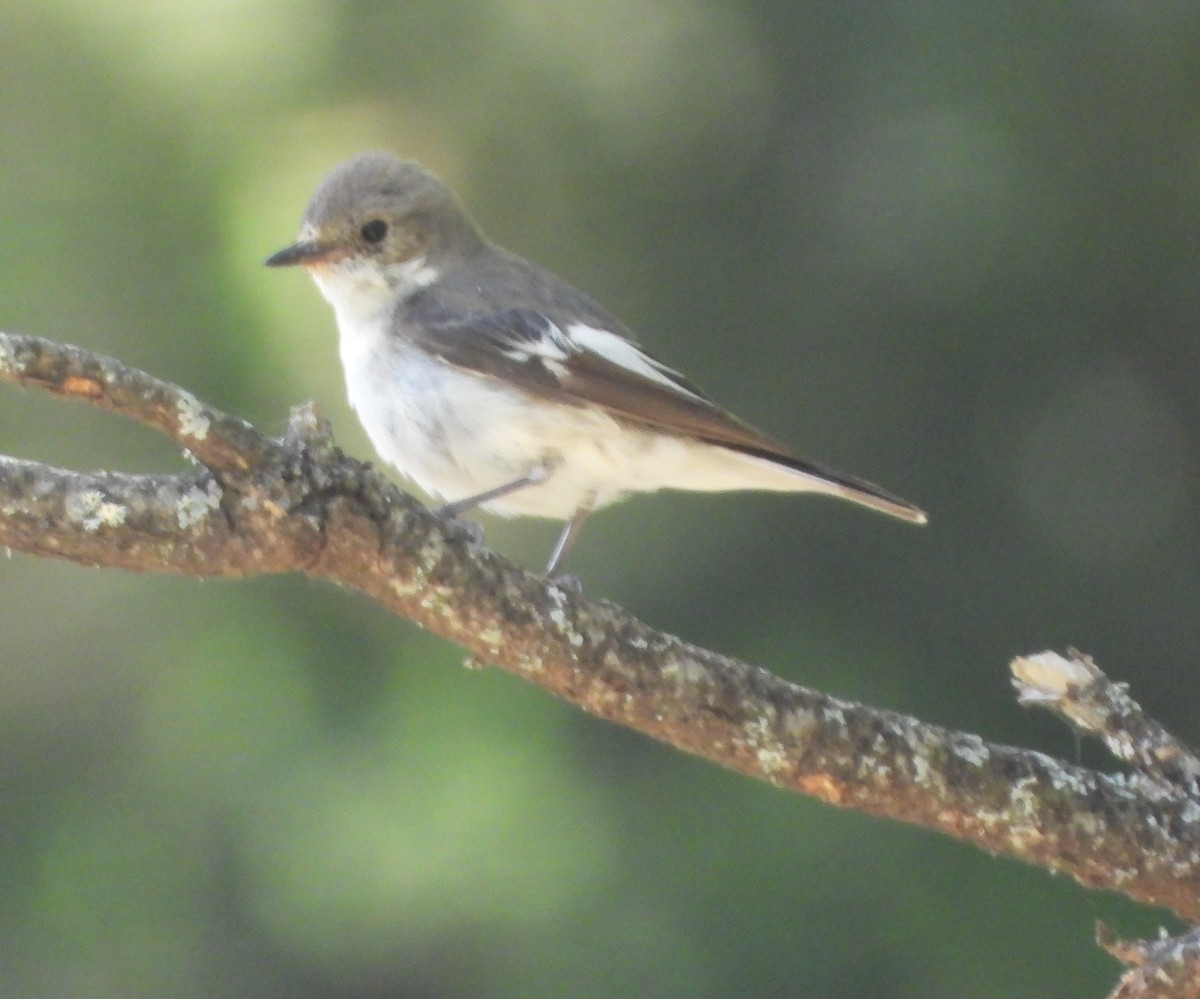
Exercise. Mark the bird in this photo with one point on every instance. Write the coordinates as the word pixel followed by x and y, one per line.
pixel 493 384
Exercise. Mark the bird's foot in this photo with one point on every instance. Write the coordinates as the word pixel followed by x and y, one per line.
pixel 469 531
pixel 565 581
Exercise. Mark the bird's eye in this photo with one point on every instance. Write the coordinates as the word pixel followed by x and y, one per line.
pixel 374 231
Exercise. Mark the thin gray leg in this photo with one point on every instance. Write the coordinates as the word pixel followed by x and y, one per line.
pixel 567 538
pixel 536 475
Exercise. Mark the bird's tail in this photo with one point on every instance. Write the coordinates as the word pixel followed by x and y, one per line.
pixel 820 479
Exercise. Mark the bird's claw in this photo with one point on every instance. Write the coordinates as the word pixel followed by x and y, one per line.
pixel 469 531
pixel 565 581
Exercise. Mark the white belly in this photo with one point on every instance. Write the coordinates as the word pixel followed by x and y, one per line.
pixel 457 434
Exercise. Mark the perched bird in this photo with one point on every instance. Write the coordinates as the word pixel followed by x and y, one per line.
pixel 492 383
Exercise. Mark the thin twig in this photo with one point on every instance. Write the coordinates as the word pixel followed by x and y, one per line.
pixel 1077 689
pixel 1166 968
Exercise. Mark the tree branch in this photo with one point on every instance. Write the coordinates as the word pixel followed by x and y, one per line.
pixel 299 504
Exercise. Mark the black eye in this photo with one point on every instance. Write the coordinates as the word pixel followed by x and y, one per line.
pixel 374 231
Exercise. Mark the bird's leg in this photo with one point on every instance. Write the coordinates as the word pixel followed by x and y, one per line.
pixel 535 476
pixel 566 539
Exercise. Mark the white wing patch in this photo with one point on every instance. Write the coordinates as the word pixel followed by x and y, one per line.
pixel 553 346
pixel 624 354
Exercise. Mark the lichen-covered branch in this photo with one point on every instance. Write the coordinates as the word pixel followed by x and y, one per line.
pixel 1166 968
pixel 299 504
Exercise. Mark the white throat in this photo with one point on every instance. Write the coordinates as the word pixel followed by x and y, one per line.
pixel 362 291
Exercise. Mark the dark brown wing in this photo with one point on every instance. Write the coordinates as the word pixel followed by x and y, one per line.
pixel 525 348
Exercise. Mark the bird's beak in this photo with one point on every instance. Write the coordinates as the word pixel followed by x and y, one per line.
pixel 305 252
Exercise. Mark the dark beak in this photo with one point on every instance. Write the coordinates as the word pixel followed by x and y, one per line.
pixel 304 252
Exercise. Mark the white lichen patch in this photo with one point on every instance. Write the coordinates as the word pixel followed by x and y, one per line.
pixel 437 600
pixel 1024 797
pixel 1131 787
pixel 8 360
pixel 759 736
pixel 558 615
pixel 1023 836
pixel 772 759
pixel 196 504
pixel 833 714
pixel 91 510
pixel 492 636
pixel 685 670
pixel 970 748
pixel 430 556
pixel 558 599
pixel 192 421
pixel 406 588
pixel 530 664
pixel 798 723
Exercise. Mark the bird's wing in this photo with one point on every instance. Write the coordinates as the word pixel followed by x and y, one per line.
pixel 584 365
pixel 587 366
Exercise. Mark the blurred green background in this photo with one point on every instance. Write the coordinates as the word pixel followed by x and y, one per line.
pixel 948 246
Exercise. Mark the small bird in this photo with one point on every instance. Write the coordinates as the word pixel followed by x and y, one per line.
pixel 492 383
